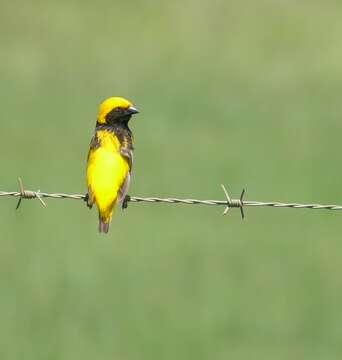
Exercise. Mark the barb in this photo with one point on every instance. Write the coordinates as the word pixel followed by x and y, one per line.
pixel 28 194
pixel 228 202
pixel 233 203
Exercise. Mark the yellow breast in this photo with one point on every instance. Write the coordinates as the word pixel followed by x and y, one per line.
pixel 106 170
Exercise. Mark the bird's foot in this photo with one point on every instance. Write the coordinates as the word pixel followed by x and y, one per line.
pixel 87 201
pixel 125 202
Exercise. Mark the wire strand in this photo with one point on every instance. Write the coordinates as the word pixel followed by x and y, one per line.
pixel 228 202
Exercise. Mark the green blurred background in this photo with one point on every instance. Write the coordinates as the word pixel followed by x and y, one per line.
pixel 247 93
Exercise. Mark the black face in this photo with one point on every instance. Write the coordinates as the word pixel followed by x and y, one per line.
pixel 120 115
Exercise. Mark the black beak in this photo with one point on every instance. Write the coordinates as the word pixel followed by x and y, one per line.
pixel 132 110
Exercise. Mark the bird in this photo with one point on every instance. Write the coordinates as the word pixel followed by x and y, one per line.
pixel 110 158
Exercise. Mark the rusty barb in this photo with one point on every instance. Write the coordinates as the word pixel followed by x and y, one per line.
pixel 228 203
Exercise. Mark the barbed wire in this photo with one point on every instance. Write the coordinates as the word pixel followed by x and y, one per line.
pixel 228 202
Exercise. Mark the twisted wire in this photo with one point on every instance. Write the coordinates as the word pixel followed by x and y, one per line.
pixel 228 202
pixel 275 204
pixel 29 194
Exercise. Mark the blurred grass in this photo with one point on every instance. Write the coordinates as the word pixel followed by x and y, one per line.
pixel 245 93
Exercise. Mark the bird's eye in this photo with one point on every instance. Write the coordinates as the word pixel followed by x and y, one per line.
pixel 119 109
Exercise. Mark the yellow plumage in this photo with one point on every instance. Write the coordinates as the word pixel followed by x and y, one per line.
pixel 110 158
pixel 106 173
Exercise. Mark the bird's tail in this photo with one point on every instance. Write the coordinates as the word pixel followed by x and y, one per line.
pixel 104 222
pixel 105 216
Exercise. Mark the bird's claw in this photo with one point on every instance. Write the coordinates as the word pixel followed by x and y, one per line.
pixel 125 202
pixel 86 199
